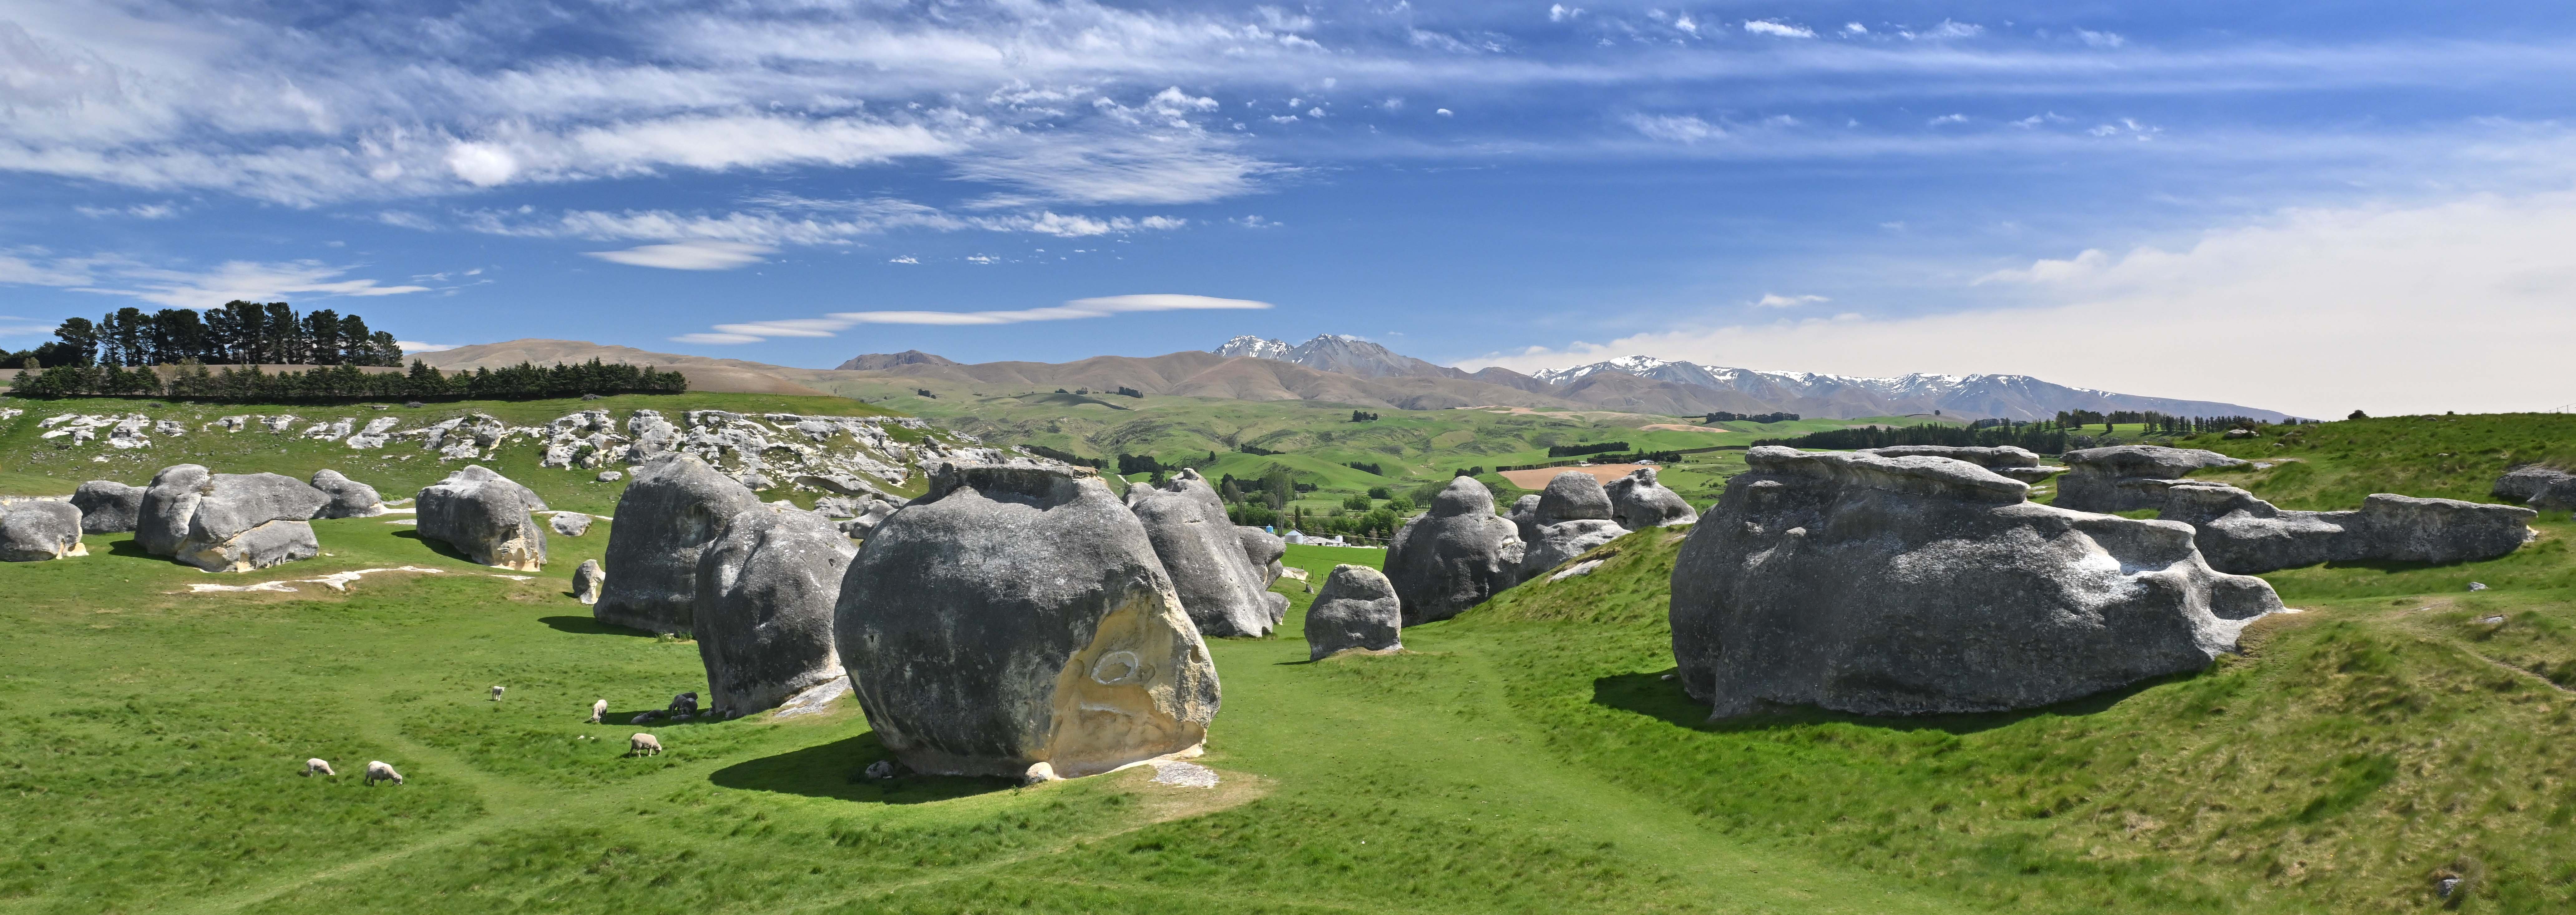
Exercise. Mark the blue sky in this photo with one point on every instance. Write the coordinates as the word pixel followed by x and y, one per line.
pixel 2309 208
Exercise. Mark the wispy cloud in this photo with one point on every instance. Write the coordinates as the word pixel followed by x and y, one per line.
pixel 828 325
pixel 120 275
pixel 1779 29
pixel 1772 300
pixel 697 254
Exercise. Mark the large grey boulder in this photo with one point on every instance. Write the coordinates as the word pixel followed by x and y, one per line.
pixel 348 498
pixel 2008 460
pixel 1454 556
pixel 2245 535
pixel 1524 517
pixel 35 530
pixel 1565 540
pixel 235 522
pixel 1639 501
pixel 1224 593
pixel 865 518
pixel 2094 476
pixel 1357 608
pixel 485 516
pixel 1572 496
pixel 586 579
pixel 1920 585
pixel 668 513
pixel 766 585
pixel 569 524
pixel 161 520
pixel 2535 486
pixel 1264 549
pixel 108 507
pixel 1016 615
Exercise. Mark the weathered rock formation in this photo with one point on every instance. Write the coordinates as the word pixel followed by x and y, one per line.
pixel 1225 594
pixel 226 522
pixel 2008 460
pixel 1017 615
pixel 1454 556
pixel 108 507
pixel 1573 516
pixel 34 530
pixel 2538 487
pixel 485 516
pixel 668 513
pixel 1572 496
pixel 2242 534
pixel 2094 476
pixel 1265 549
pixel 766 586
pixel 348 498
pixel 1357 608
pixel 1918 585
pixel 1639 501
pixel 1524 517
pixel 586 580
pixel 569 524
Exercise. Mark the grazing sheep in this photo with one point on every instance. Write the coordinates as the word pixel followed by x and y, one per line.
pixel 496 694
pixel 377 771
pixel 644 744
pixel 318 765
pixel 598 710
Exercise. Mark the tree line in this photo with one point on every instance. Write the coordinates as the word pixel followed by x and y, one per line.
pixel 2038 437
pixel 239 333
pixel 249 384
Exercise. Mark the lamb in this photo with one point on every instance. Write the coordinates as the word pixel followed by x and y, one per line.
pixel 496 694
pixel 644 744
pixel 318 765
pixel 598 710
pixel 377 771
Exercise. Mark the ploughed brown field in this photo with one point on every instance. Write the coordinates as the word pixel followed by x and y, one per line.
pixel 1537 479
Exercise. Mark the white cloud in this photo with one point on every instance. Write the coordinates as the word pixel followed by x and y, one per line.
pixel 1949 119
pixel 1684 24
pixel 2455 306
pixel 1558 12
pixel 1854 28
pixel 906 259
pixel 1948 29
pixel 695 254
pixel 415 346
pixel 2101 39
pixel 1778 29
pixel 1769 300
pixel 754 331
pixel 1443 112
pixel 247 280
pixel 1675 128
pixel 138 211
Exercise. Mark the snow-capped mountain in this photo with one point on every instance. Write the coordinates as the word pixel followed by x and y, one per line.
pixel 1255 347
pixel 1341 353
pixel 2009 396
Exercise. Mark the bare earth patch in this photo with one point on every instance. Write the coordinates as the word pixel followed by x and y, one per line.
pixel 1537 479
pixel 1681 427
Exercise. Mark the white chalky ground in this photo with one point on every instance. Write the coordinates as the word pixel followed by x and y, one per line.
pixel 1186 775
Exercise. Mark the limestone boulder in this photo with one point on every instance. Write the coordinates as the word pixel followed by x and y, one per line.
pixel 1990 458
pixel 1524 517
pixel 1225 594
pixel 1572 496
pixel 1265 549
pixel 569 524
pixel 1922 585
pixel 1565 540
pixel 486 516
pixel 2243 534
pixel 1454 556
pixel 348 498
pixel 673 507
pixel 228 522
pixel 1356 609
pixel 1016 615
pixel 2538 487
pixel 766 587
pixel 161 519
pixel 2094 476
pixel 586 580
pixel 1639 501
pixel 108 507
pixel 34 530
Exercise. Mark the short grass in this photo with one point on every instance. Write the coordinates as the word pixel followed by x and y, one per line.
pixel 2334 465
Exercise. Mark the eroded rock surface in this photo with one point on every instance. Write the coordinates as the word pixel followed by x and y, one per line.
pixel 1454 556
pixel 1565 540
pixel 1265 549
pixel 766 586
pixel 1356 609
pixel 108 507
pixel 1639 501
pixel 485 516
pixel 2538 487
pixel 226 522
pixel 668 513
pixel 2245 535
pixel 1919 585
pixel 569 524
pixel 1572 496
pixel 34 530
pixel 1017 615
pixel 1224 593
pixel 2094 476
pixel 348 498
pixel 586 581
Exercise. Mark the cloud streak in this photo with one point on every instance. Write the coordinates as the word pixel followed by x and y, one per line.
pixel 1077 309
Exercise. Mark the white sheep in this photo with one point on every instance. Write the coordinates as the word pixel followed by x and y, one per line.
pixel 377 771
pixel 318 765
pixel 645 744
pixel 496 694
pixel 598 710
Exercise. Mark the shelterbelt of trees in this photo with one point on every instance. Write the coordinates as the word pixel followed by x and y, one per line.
pixel 347 382
pixel 239 333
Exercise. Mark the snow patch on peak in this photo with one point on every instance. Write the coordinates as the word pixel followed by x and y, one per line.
pixel 1255 347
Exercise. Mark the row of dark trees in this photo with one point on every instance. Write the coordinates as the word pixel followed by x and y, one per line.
pixel 1558 451
pixel 239 333
pixel 1722 416
pixel 2043 438
pixel 349 382
pixel 2076 420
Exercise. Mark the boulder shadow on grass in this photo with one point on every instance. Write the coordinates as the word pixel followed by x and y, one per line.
pixel 1659 695
pixel 837 770
pixel 584 625
pixel 438 546
pixel 128 547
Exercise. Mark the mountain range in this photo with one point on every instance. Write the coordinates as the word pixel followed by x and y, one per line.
pixel 1349 370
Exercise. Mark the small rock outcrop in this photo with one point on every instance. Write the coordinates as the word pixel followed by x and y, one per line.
pixel 1524 517
pixel 1356 609
pixel 108 507
pixel 1016 615
pixel 766 586
pixel 2533 485
pixel 569 524
pixel 668 513
pixel 1454 556
pixel 348 498
pixel 2008 460
pixel 586 579
pixel 2095 476
pixel 227 522
pixel 1639 501
pixel 1265 549
pixel 485 516
pixel 2242 534
pixel 1225 594
pixel 1920 585
pixel 34 530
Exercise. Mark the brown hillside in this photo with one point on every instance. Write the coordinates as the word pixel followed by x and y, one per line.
pixel 732 376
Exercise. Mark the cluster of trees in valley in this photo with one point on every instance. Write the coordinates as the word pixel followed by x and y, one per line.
pixel 239 333
pixel 249 384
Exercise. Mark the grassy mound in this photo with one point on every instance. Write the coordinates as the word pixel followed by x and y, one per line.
pixel 2333 465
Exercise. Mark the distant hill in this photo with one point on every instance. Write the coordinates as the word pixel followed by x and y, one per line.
pixel 877 362
pixel 711 375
